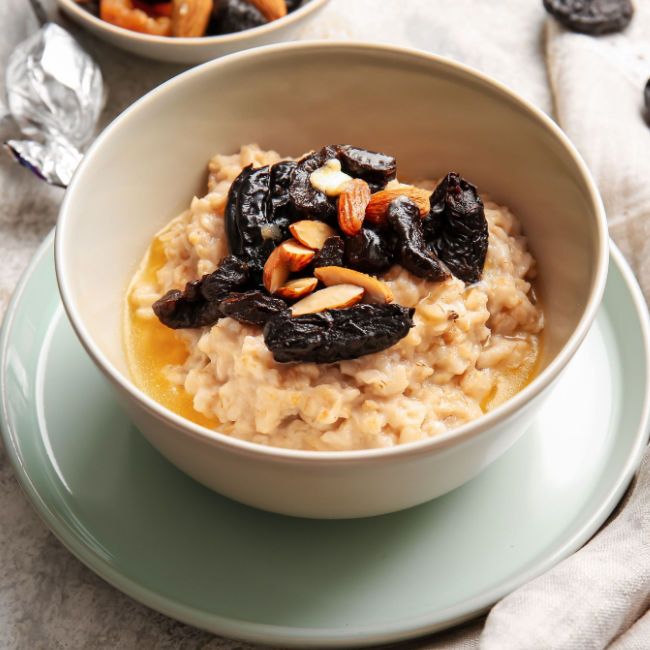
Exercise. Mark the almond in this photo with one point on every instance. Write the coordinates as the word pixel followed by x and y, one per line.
pixel 270 9
pixel 190 17
pixel 311 233
pixel 297 288
pixel 375 290
pixel 276 271
pixel 353 201
pixel 295 254
pixel 376 209
pixel 334 297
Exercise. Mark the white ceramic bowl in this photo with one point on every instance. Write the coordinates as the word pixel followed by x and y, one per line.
pixel 193 50
pixel 433 115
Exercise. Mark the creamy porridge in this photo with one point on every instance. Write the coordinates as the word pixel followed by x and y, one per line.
pixel 470 347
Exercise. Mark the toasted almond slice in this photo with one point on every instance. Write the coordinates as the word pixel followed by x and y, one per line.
pixel 311 233
pixel 353 201
pixel 271 9
pixel 190 17
pixel 376 290
pixel 276 271
pixel 295 254
pixel 297 288
pixel 335 297
pixel 376 209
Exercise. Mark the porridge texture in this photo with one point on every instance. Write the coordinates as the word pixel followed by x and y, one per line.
pixel 471 347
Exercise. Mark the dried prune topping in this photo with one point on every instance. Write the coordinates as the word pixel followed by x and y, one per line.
pixel 593 17
pixel 646 100
pixel 331 254
pixel 250 230
pixel 279 208
pixel 370 250
pixel 456 228
pixel 336 334
pixel 252 307
pixel 307 201
pixel 374 168
pixel 292 5
pixel 234 16
pixel 198 304
pixel 403 216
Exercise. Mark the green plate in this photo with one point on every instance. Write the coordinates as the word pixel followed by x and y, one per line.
pixel 155 534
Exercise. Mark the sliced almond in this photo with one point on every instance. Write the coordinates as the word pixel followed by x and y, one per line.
pixel 311 233
pixel 295 254
pixel 297 288
pixel 353 201
pixel 190 17
pixel 376 290
pixel 270 9
pixel 335 297
pixel 276 271
pixel 376 209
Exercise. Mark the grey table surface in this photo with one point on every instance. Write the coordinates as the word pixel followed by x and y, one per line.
pixel 48 599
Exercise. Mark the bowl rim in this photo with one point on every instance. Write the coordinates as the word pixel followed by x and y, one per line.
pixel 182 42
pixel 375 455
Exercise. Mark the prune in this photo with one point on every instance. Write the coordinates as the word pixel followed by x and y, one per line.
pixel 456 228
pixel 292 5
pixel 250 230
pixel 331 254
pixel 234 16
pixel 198 304
pixel 403 215
pixel 374 168
pixel 307 201
pixel 279 208
pixel 646 100
pixel 593 17
pixel 253 307
pixel 336 334
pixel 370 251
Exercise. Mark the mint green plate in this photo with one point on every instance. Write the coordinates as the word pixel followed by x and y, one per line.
pixel 165 540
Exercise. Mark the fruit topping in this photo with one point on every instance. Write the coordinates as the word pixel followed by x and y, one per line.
pixel 331 254
pixel 199 303
pixel 334 297
pixel 370 250
pixel 353 200
pixel 593 17
pixel 234 16
pixel 375 290
pixel 336 334
pixel 279 208
pixel 414 255
pixel 456 228
pixel 312 234
pixel 329 178
pixel 374 168
pixel 297 288
pixel 309 202
pixel 376 210
pixel 252 307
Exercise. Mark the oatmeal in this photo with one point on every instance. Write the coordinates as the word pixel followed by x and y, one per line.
pixel 464 345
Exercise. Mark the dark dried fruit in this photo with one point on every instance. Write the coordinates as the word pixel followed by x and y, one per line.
pixel 370 250
pixel 308 202
pixel 413 254
pixel 336 334
pixel 456 228
pixel 253 307
pixel 252 206
pixel 198 304
pixel 374 168
pixel 234 16
pixel 646 100
pixel 292 5
pixel 593 17
pixel 279 208
pixel 331 254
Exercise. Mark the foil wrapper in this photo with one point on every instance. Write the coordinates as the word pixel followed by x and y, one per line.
pixel 55 94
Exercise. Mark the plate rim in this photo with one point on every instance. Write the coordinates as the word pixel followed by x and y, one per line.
pixel 264 633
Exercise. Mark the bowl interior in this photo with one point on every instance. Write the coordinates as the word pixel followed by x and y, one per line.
pixel 433 115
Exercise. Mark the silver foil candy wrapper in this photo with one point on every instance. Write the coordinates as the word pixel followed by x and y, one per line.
pixel 55 93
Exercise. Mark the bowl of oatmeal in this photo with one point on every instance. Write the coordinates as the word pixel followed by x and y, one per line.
pixel 337 301
pixel 191 31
